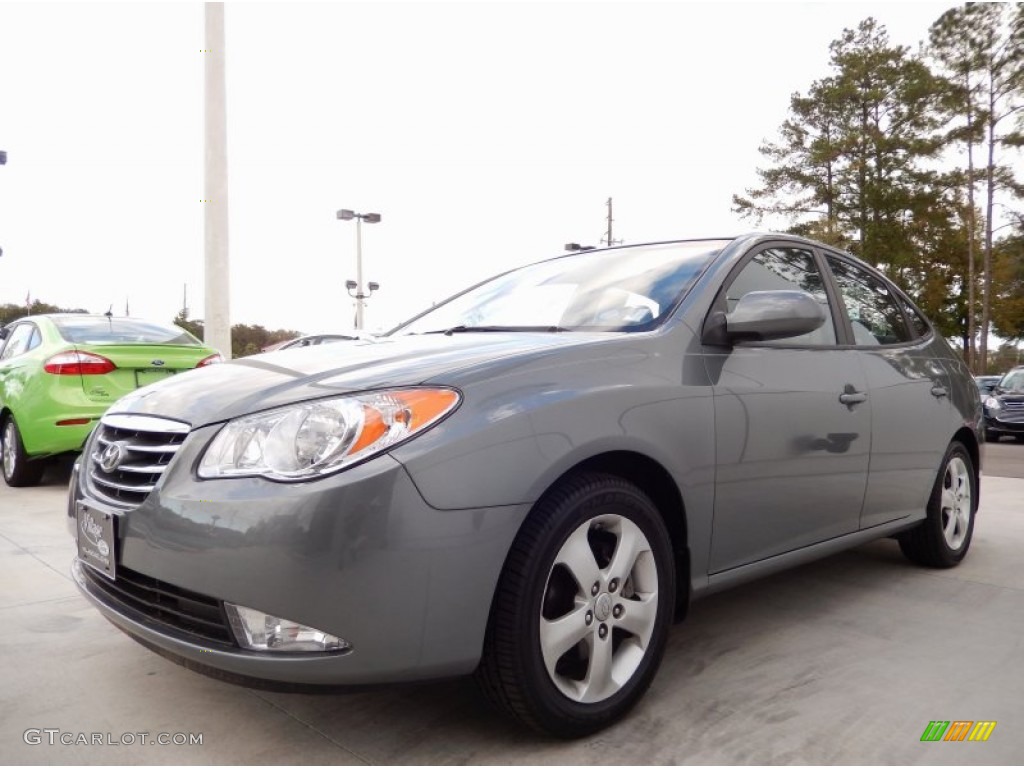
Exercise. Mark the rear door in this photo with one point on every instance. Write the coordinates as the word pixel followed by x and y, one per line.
pixel 912 414
pixel 792 457
pixel 17 367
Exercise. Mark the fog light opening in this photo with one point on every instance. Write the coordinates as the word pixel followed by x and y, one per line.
pixel 258 631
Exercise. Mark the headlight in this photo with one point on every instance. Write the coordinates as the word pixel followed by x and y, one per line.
pixel 309 440
pixel 992 404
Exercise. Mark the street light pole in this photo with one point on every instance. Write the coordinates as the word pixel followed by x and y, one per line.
pixel 3 161
pixel 355 287
pixel 359 272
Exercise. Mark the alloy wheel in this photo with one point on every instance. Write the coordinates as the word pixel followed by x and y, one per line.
pixel 599 609
pixel 956 502
pixel 8 447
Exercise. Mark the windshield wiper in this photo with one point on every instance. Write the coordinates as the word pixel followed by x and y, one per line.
pixel 500 329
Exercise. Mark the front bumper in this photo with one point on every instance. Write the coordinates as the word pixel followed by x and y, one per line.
pixel 359 555
pixel 1005 424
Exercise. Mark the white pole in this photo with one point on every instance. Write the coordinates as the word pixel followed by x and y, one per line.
pixel 217 320
pixel 359 273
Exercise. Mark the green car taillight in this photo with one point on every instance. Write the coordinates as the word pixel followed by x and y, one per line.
pixel 78 364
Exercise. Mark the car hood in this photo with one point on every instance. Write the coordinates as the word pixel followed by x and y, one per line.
pixel 250 384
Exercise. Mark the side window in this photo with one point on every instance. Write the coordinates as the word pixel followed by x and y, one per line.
pixel 18 341
pixel 917 322
pixel 35 341
pixel 775 269
pixel 873 309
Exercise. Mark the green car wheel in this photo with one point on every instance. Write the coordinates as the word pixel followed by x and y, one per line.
pixel 18 470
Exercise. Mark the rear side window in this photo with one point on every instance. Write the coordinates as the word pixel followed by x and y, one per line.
pixel 917 322
pixel 873 309
pixel 121 330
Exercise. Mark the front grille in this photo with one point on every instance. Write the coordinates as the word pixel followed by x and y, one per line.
pixel 129 454
pixel 197 616
pixel 1012 412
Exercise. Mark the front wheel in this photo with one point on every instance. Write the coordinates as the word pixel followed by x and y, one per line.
pixel 583 608
pixel 943 538
pixel 18 470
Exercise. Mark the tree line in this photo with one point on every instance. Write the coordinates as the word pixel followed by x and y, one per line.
pixel 245 339
pixel 904 158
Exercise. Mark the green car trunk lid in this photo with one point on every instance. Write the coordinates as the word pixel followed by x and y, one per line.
pixel 137 366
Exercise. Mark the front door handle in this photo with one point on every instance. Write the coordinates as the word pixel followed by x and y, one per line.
pixel 851 396
pixel 939 391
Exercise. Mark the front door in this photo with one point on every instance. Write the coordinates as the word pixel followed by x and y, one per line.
pixel 792 426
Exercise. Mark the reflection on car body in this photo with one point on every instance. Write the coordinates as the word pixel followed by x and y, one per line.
pixel 532 480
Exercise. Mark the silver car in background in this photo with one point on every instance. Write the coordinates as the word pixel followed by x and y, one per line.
pixel 531 481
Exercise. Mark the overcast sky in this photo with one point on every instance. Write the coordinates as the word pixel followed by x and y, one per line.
pixel 486 134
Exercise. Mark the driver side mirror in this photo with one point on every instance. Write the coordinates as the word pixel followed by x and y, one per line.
pixel 763 316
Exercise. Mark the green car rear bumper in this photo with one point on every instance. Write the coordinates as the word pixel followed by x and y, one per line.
pixel 61 417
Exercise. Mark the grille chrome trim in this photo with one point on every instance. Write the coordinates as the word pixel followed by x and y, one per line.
pixel 149 469
pixel 145 448
pixel 119 486
pixel 135 422
pixel 148 445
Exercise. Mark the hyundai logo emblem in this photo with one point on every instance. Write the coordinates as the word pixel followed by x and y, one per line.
pixel 111 457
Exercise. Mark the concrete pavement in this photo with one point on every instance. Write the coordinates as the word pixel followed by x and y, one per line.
pixel 842 661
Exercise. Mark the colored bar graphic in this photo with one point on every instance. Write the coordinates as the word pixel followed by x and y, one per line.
pixel 982 730
pixel 958 730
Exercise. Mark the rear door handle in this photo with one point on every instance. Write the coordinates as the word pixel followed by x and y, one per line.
pixel 939 391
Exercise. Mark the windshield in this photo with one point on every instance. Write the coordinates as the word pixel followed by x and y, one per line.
pixel 1013 381
pixel 121 330
pixel 626 289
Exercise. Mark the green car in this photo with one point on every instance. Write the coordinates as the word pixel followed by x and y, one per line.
pixel 59 373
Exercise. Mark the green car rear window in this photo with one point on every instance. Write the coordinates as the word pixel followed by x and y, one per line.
pixel 121 330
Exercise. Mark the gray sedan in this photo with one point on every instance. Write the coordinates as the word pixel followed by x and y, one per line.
pixel 531 481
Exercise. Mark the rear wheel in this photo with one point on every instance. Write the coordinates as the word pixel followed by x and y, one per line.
pixel 583 608
pixel 18 470
pixel 942 540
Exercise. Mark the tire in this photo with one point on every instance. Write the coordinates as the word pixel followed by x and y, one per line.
pixel 590 570
pixel 18 471
pixel 942 540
